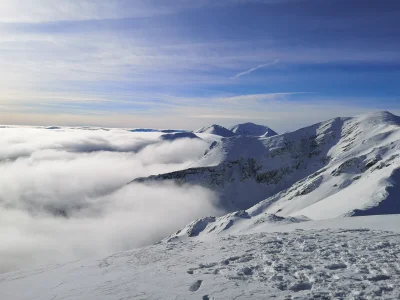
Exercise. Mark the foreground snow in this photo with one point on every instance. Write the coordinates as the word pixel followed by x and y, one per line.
pixel 286 263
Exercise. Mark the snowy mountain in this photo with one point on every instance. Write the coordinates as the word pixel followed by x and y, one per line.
pixel 157 130
pixel 251 129
pixel 215 129
pixel 144 130
pixel 178 135
pixel 341 167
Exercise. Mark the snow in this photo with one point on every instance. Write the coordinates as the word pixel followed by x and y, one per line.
pixel 215 129
pixel 244 223
pixel 322 262
pixel 251 129
pixel 178 135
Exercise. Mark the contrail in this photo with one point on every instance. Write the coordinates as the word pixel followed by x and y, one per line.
pixel 256 68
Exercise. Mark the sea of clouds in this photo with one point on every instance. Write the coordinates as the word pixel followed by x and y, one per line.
pixel 64 192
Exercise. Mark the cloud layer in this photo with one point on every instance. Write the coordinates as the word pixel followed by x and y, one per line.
pixel 64 193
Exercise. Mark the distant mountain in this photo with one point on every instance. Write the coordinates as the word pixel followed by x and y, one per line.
pixel 215 129
pixel 251 129
pixel 172 130
pixel 179 135
pixel 340 167
pixel 157 130
pixel 143 130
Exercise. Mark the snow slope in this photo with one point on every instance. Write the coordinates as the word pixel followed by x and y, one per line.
pixel 359 261
pixel 215 129
pixel 344 166
pixel 251 129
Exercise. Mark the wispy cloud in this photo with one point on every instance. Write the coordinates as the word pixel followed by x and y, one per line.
pixel 53 11
pixel 256 68
pixel 254 98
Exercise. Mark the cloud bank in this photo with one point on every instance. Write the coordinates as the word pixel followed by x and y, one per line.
pixel 64 193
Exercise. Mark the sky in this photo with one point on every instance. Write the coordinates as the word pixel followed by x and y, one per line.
pixel 187 64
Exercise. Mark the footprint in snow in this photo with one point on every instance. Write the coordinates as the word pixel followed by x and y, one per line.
pixel 336 266
pixel 195 286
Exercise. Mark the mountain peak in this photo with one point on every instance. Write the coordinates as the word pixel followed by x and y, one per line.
pixel 179 135
pixel 384 115
pixel 251 129
pixel 215 129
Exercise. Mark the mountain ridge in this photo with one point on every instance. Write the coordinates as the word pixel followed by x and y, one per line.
pixel 312 164
pixel 251 129
pixel 216 130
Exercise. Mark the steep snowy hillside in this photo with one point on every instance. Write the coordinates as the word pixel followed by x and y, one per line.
pixel 251 129
pixel 350 258
pixel 215 129
pixel 344 166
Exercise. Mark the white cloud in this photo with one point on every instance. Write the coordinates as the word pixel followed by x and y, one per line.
pixel 64 193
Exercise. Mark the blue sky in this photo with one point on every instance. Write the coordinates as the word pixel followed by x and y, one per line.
pixel 185 63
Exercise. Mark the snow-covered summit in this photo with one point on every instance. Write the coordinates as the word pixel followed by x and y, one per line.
pixel 179 135
pixel 215 129
pixel 251 129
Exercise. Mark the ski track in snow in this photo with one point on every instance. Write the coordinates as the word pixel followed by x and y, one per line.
pixel 314 264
